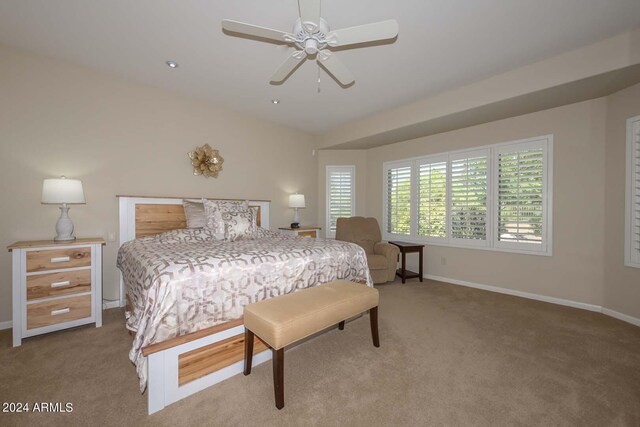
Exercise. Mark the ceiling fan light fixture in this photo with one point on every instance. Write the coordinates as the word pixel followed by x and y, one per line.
pixel 311 46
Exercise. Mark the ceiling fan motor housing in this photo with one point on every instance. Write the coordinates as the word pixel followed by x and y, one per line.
pixel 311 41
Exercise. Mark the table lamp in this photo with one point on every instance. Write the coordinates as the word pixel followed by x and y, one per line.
pixel 63 191
pixel 296 201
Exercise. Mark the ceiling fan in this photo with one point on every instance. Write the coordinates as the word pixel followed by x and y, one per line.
pixel 312 38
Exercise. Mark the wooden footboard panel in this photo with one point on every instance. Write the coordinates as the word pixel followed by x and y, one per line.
pixel 203 361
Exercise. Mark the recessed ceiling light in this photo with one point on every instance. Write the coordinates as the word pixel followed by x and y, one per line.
pixel 172 64
pixel 275 101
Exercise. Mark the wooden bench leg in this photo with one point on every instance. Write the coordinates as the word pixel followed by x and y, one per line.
pixel 248 351
pixel 278 376
pixel 373 318
pixel 341 325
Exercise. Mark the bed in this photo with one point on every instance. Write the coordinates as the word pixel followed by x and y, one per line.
pixel 185 291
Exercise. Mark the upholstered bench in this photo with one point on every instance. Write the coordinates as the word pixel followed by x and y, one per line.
pixel 289 318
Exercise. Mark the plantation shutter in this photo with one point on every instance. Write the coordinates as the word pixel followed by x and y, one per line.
pixel 398 199
pixel 633 184
pixel 468 201
pixel 432 198
pixel 521 202
pixel 340 195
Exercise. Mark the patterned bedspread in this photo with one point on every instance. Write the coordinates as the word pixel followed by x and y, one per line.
pixel 184 280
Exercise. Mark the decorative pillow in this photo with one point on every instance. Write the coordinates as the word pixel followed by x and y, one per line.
pixel 254 219
pixel 213 210
pixel 185 235
pixel 239 225
pixel 194 212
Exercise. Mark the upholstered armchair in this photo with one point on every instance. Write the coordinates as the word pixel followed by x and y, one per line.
pixel 382 257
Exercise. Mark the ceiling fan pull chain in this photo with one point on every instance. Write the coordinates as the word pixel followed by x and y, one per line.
pixel 318 78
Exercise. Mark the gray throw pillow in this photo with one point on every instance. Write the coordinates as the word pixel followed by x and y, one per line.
pixel 194 212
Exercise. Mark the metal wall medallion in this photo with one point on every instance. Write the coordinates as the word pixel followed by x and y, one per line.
pixel 206 161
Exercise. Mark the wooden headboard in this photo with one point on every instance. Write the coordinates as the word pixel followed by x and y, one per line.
pixel 142 216
pixel 155 219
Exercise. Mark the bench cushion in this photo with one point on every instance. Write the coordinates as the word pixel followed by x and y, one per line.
pixel 289 318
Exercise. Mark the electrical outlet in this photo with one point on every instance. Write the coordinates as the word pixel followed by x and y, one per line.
pixel 443 261
pixel 111 236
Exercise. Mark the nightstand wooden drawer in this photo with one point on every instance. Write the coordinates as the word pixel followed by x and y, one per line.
pixel 308 231
pixel 54 259
pixel 58 284
pixel 58 311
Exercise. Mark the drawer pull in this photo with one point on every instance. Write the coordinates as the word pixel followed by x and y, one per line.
pixel 58 284
pixel 60 311
pixel 60 259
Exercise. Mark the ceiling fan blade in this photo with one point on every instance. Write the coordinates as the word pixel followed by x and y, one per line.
pixel 310 14
pixel 257 31
pixel 363 33
pixel 288 66
pixel 335 67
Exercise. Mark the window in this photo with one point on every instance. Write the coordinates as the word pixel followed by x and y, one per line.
pixel 521 196
pixel 432 198
pixel 398 199
pixel 496 197
pixel 469 196
pixel 632 223
pixel 340 195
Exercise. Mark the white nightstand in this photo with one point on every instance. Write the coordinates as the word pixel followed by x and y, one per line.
pixel 55 286
pixel 310 231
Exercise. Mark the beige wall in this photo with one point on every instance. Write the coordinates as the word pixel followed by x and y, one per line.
pixel 119 138
pixel 357 158
pixel 622 284
pixel 576 269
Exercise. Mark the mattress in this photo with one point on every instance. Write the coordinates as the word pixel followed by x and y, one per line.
pixel 183 281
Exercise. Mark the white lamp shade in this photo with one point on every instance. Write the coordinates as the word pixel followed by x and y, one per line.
pixel 62 190
pixel 296 201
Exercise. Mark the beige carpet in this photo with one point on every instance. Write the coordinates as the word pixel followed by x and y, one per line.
pixel 450 356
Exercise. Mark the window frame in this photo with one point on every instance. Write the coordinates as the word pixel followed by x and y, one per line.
pixel 546 249
pixel 632 196
pixel 338 168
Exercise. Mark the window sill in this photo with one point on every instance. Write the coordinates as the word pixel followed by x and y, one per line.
pixel 428 242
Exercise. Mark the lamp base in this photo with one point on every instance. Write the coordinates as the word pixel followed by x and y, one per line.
pixel 64 226
pixel 296 219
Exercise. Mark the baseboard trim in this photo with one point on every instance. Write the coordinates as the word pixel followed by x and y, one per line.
pixel 110 304
pixel 560 301
pixel 621 316
pixel 6 325
pixel 507 291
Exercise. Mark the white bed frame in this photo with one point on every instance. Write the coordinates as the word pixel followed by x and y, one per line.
pixel 162 387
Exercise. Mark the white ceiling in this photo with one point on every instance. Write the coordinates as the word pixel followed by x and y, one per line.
pixel 442 44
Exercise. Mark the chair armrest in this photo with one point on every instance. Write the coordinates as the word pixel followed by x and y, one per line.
pixel 389 251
